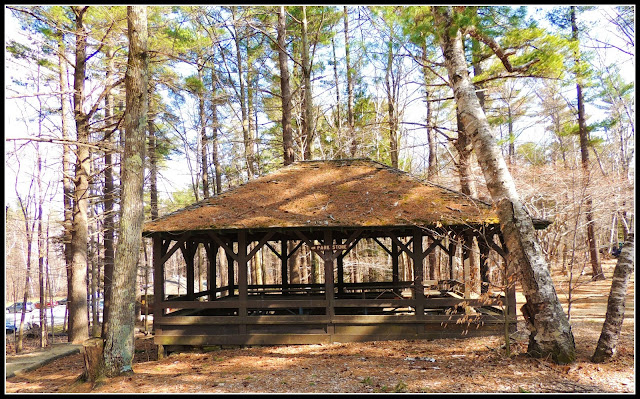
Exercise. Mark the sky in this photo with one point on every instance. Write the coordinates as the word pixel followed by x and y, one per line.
pixel 177 173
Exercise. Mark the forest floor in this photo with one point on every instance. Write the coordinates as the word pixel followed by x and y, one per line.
pixel 476 365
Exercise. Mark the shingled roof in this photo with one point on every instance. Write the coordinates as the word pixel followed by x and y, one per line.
pixel 338 193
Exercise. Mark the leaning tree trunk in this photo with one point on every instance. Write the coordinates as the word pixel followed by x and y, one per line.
pixel 550 330
pixel 608 341
pixel 119 341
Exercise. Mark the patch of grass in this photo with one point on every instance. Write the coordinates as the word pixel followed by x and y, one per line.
pixel 207 349
pixel 367 381
pixel 400 387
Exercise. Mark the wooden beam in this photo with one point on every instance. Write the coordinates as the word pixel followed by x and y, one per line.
pixel 402 245
pixel 278 254
pixel 387 250
pixel 223 244
pixel 173 249
pixel 308 242
pixel 438 241
pixel 260 244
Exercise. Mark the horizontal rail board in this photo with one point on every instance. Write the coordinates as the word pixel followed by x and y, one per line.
pixel 336 319
pixel 253 339
pixel 213 320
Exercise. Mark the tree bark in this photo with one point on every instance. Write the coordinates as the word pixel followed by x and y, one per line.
pixel 432 170
pixel 550 330
pixel 109 192
pixel 392 113
pixel 246 132
pixel 67 191
pixel 336 82
pixel 204 158
pixel 41 282
pixel 612 326
pixel 285 88
pixel 350 116
pixel 584 151
pixel 119 341
pixel 307 119
pixel 78 318
pixel 214 132
pixel 153 158
pixel 93 361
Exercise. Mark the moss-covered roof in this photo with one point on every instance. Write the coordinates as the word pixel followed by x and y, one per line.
pixel 351 193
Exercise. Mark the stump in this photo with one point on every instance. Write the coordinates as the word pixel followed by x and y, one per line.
pixel 93 359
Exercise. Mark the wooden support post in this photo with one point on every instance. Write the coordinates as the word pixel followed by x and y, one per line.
pixel 484 268
pixel 340 281
pixel 230 274
pixel 466 269
pixel 158 277
pixel 284 266
pixel 242 278
pixel 328 258
pixel 395 267
pixel 452 254
pixel 329 283
pixel 189 252
pixel 418 270
pixel 212 279
pixel 510 281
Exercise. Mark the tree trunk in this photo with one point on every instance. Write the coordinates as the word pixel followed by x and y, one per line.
pixel 307 115
pixel 67 191
pixel 153 157
pixel 550 330
pixel 203 137
pixel 78 318
pixel 612 326
pixel 93 360
pixel 584 151
pixel 119 341
pixel 285 88
pixel 109 192
pixel 336 82
pixel 391 107
pixel 214 132
pixel 432 170
pixel 246 133
pixel 350 116
pixel 43 308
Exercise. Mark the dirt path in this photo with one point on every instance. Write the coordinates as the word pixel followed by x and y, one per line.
pixel 451 365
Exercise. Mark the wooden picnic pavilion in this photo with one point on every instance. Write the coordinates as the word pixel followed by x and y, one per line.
pixel 329 206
